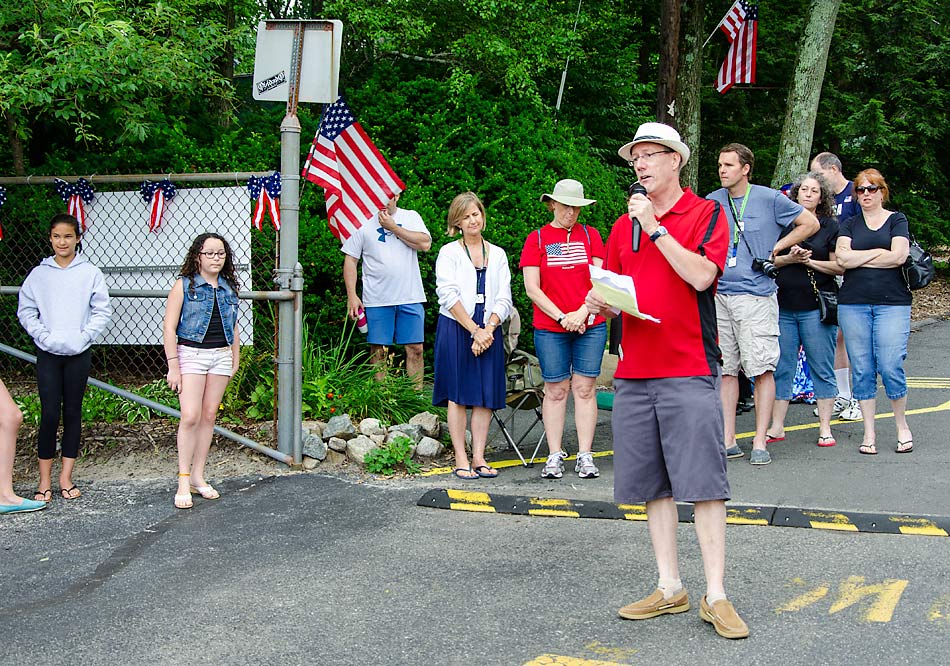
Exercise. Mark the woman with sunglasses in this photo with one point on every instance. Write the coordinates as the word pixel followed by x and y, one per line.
pixel 874 304
pixel 203 348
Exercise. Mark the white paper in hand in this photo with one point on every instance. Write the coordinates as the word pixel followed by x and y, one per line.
pixel 618 291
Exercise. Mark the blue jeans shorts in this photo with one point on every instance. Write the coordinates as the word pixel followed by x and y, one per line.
pixel 876 338
pixel 803 328
pixel 564 354
pixel 399 324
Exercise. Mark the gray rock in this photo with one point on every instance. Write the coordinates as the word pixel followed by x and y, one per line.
pixel 340 426
pixel 310 463
pixel 371 427
pixel 429 423
pixel 414 432
pixel 314 427
pixel 428 448
pixel 265 431
pixel 337 444
pixel 334 458
pixel 358 447
pixel 379 439
pixel 444 434
pixel 314 446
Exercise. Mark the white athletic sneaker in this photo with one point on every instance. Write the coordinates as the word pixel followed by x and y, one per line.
pixel 840 405
pixel 852 413
pixel 585 467
pixel 554 466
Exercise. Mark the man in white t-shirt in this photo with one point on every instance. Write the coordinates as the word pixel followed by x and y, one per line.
pixel 393 296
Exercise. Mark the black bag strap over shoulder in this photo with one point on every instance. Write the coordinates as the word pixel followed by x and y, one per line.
pixel 919 267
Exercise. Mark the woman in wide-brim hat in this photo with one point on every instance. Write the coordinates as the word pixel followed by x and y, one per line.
pixel 569 341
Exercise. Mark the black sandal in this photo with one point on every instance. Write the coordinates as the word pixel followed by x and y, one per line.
pixel 47 495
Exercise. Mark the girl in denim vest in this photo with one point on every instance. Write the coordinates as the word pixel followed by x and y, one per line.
pixel 64 306
pixel 203 348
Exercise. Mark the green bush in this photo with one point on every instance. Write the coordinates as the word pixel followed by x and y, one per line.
pixel 390 456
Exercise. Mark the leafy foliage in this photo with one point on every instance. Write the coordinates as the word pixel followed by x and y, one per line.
pixel 387 458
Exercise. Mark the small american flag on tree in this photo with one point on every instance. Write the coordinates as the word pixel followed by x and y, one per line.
pixel 357 179
pixel 741 27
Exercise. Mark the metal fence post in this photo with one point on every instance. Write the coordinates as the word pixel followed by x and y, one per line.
pixel 296 287
pixel 288 358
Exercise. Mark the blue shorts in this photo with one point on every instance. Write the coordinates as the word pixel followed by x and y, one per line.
pixel 564 354
pixel 399 324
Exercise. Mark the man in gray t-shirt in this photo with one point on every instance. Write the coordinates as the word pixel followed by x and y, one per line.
pixel 746 306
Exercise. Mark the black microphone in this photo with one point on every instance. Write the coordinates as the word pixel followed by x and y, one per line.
pixel 636 188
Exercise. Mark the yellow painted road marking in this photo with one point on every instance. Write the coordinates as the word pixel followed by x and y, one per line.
pixel 822 520
pixel 940 611
pixel 887 594
pixel 547 508
pixel 633 511
pixel 502 464
pixel 470 501
pixel 918 526
pixel 803 600
pixel 745 517
pixel 560 660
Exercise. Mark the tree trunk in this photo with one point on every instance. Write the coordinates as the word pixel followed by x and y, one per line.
pixel 669 60
pixel 805 92
pixel 16 146
pixel 689 87
pixel 225 66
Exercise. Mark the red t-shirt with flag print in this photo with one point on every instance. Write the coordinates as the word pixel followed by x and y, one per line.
pixel 563 256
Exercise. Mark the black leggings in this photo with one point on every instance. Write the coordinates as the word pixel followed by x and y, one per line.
pixel 61 381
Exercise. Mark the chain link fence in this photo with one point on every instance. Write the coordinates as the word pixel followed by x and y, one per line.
pixel 139 264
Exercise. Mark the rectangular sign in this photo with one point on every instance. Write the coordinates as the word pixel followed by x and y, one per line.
pixel 319 60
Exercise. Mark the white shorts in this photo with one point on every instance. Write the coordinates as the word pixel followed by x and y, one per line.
pixel 194 361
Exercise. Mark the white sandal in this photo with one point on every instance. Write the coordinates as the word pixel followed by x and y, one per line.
pixel 208 491
pixel 183 501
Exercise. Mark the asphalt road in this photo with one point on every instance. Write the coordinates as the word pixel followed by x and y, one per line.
pixel 313 569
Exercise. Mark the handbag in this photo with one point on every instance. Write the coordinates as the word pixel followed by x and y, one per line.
pixel 919 267
pixel 827 302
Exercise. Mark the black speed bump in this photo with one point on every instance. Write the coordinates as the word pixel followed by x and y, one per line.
pixel 843 521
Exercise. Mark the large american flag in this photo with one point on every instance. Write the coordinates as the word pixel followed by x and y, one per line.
pixel 566 254
pixel 357 179
pixel 741 27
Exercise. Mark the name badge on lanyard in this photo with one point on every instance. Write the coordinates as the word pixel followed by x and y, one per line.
pixel 479 298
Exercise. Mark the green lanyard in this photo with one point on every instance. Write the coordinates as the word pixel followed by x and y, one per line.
pixel 484 252
pixel 737 216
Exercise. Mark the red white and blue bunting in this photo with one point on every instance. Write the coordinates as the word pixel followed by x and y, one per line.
pixel 3 200
pixel 74 196
pixel 266 191
pixel 158 195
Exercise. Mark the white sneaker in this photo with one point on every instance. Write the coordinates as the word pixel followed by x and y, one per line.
pixel 852 413
pixel 840 405
pixel 554 466
pixel 585 467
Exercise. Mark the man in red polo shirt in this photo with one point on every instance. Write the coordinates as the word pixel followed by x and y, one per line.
pixel 667 414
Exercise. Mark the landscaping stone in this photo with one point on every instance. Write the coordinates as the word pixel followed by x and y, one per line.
pixel 358 447
pixel 414 432
pixel 315 427
pixel 340 426
pixel 428 448
pixel 337 444
pixel 314 446
pixel 334 458
pixel 310 463
pixel 371 427
pixel 379 439
pixel 429 423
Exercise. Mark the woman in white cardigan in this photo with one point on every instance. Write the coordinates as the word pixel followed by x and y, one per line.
pixel 473 283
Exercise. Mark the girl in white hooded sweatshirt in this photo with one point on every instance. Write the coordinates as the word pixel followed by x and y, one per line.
pixel 64 306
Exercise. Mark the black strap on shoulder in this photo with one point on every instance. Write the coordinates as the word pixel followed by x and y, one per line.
pixel 709 229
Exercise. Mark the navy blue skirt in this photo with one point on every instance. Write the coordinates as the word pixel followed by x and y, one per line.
pixel 462 377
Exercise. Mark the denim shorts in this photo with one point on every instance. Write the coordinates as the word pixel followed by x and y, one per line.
pixel 876 338
pixel 564 354
pixel 399 324
pixel 194 361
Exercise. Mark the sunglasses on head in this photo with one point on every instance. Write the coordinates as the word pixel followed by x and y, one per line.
pixel 861 189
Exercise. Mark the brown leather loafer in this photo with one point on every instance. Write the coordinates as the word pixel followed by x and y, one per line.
pixel 654 605
pixel 724 618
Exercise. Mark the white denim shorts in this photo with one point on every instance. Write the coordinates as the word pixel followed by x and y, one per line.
pixel 194 361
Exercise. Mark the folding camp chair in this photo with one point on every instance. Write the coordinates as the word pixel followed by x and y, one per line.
pixel 524 393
